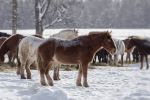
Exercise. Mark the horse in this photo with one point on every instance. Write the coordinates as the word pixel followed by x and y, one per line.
pixel 2 39
pixel 2 34
pixel 143 45
pixel 10 44
pixel 67 34
pixel 102 56
pixel 80 50
pixel 120 49
pixel 27 53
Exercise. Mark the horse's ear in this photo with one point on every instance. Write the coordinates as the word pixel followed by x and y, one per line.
pixel 109 32
pixel 76 30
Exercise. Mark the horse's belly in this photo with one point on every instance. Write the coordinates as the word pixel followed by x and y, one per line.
pixel 66 60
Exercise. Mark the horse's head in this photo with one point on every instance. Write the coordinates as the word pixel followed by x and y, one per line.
pixel 108 43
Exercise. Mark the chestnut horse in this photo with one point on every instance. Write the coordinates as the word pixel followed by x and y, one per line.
pixel 143 45
pixel 10 44
pixel 76 51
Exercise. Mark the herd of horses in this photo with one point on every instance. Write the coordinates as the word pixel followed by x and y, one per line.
pixel 68 48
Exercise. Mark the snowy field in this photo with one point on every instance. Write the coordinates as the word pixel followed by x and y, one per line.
pixel 106 83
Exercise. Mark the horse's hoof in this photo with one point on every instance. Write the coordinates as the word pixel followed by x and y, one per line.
pixel 23 77
pixel 78 84
pixel 51 84
pixel 85 85
pixel 43 84
pixel 56 78
pixel 28 77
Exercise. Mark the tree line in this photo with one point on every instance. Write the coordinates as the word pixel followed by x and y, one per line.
pixel 31 14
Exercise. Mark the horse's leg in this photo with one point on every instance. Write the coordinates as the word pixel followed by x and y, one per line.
pixel 18 65
pixel 28 64
pixel 129 58
pixel 115 59
pixel 9 57
pixel 56 71
pixel 94 60
pixel 122 59
pixel 85 71
pixel 146 57
pixel 141 62
pixel 78 82
pixel 42 77
pixel 22 71
pixel 49 79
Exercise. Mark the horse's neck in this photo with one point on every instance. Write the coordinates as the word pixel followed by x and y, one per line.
pixel 95 44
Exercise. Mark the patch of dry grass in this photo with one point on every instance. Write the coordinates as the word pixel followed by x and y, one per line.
pixel 6 68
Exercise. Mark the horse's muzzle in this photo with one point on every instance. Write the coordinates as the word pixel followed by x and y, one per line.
pixel 113 51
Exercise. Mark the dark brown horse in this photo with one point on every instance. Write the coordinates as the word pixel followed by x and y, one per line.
pixel 76 51
pixel 143 45
pixel 10 44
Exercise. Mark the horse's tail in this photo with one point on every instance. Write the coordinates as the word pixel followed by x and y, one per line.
pixel 39 60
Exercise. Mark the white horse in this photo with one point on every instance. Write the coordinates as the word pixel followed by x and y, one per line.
pixel 65 35
pixel 27 54
pixel 120 50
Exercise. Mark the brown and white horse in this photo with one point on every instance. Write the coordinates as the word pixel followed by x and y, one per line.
pixel 76 51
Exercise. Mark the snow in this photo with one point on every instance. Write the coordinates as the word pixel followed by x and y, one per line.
pixel 106 83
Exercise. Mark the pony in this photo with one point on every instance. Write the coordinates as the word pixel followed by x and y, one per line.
pixel 2 39
pixel 10 45
pixel 80 50
pixel 67 34
pixel 143 45
pixel 27 54
pixel 120 49
pixel 102 56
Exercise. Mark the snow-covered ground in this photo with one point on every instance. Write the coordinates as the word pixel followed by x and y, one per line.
pixel 106 83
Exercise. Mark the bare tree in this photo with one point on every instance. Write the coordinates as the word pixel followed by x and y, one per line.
pixel 41 7
pixel 14 16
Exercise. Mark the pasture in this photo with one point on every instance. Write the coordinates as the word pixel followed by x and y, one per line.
pixel 106 83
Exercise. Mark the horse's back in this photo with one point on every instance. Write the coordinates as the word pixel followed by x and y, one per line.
pixel 66 34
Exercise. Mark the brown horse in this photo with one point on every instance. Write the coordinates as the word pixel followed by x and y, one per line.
pixel 10 53
pixel 10 44
pixel 76 51
pixel 143 45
